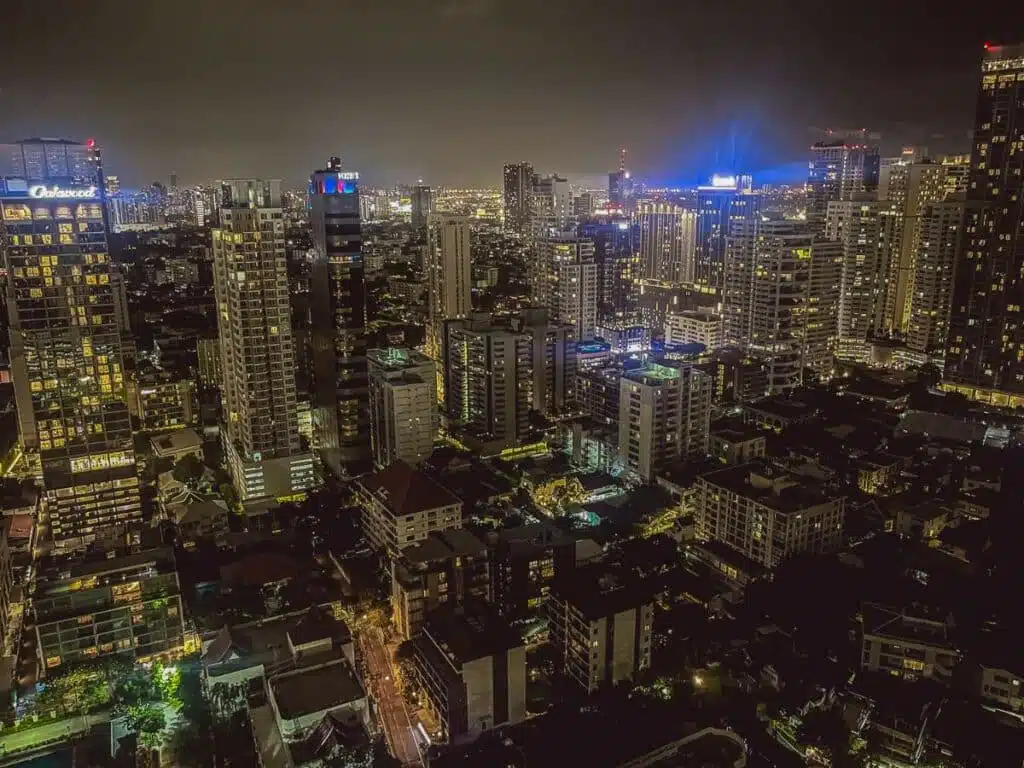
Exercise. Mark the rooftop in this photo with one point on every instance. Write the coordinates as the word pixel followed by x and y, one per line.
pixel 177 441
pixel 405 490
pixel 780 406
pixel 95 563
pixel 899 624
pixel 767 484
pixel 598 591
pixel 444 545
pixel 316 688
pixel 466 635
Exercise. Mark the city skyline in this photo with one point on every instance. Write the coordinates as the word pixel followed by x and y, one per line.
pixel 775 75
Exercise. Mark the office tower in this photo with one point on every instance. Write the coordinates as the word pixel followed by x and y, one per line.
pixel 471 667
pixel 447 568
pixel 767 515
pixel 667 241
pixel 618 264
pixel 66 362
pixel 250 279
pixel 838 170
pixel 403 405
pixel 111 602
pixel 518 179
pixel 553 360
pixel 338 318
pixel 113 185
pixel 984 359
pixel 725 203
pixel 664 417
pixel 600 622
pixel 621 187
pixel 908 187
pixel 551 207
pixel 867 229
pixel 564 281
pixel 422 200
pixel 447 268
pixel 940 227
pixel 402 506
pixel 488 379
pixel 583 205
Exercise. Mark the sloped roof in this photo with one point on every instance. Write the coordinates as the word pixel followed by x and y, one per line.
pixel 405 490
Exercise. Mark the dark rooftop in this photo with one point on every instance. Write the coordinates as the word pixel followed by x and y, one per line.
pixel 406 490
pixel 600 590
pixel 767 484
pixel 465 635
pixel 316 689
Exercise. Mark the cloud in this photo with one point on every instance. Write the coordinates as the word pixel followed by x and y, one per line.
pixel 465 9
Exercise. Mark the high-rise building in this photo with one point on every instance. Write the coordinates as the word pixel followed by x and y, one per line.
pixel 66 364
pixel 551 206
pixel 208 356
pixel 939 227
pixel 565 279
pixel 583 204
pixel 618 265
pixel 338 318
pixel 908 187
pixel 447 267
pixel 553 361
pixel 984 358
pixel 422 201
pixel 261 430
pixel 518 186
pixel 664 417
pixel 403 405
pixel 823 300
pixel 867 229
pixel 113 185
pixel 667 241
pixel 622 187
pixel 488 379
pixel 725 203
pixel 838 170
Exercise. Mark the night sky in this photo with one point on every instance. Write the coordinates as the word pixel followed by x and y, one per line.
pixel 449 90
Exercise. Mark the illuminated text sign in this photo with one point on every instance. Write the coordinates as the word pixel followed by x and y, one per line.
pixel 54 192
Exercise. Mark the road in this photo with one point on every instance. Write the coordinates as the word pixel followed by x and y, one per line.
pixel 390 704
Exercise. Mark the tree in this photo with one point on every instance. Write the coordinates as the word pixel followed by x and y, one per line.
pixel 146 720
pixel 189 470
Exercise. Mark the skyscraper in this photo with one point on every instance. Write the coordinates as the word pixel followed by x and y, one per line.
pixel 518 185
pixel 837 171
pixel 985 355
pixel 261 430
pixel 726 202
pixel 338 318
pixel 553 359
pixel 667 241
pixel 403 405
pixel 422 200
pixel 940 227
pixel 66 361
pixel 621 187
pixel 565 281
pixel 447 267
pixel 618 265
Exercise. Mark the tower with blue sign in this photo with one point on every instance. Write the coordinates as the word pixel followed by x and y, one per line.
pixel 338 315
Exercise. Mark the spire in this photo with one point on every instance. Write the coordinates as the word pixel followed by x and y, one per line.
pixel 622 159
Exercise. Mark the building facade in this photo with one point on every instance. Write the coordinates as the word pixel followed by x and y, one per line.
pixel 66 346
pixel 667 241
pixel 403 405
pixel 565 279
pixel 518 183
pixel 447 267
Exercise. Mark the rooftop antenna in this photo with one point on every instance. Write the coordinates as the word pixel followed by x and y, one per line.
pixel 622 160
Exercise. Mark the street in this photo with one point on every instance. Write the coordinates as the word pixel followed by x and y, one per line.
pixel 390 705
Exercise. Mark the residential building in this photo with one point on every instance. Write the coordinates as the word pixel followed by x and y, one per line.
pixel 667 241
pixel 340 388
pixel 906 643
pixel 471 667
pixel 402 506
pixel 448 567
pixel 105 603
pixel 768 515
pixel 65 339
pixel 565 281
pixel 939 229
pixel 518 178
pixel 600 626
pixel 598 393
pixel 553 361
pixel 821 334
pixel 838 171
pixel 664 416
pixel 489 375
pixel 625 335
pixel 447 267
pixel 6 571
pixel 163 400
pixel 551 207
pixel 696 327
pixel 422 205
pixel 261 433
pixel 618 264
pixel 737 443
pixel 403 405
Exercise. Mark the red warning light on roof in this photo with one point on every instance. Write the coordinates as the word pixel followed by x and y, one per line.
pixel 90 143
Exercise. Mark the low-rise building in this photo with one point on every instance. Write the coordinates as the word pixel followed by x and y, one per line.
pixel 906 644
pixel 768 514
pixel 736 443
pixel 447 567
pixel 472 667
pixel 177 445
pixel 96 605
pixel 163 401
pixel 402 505
pixel 697 327
pixel 600 624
